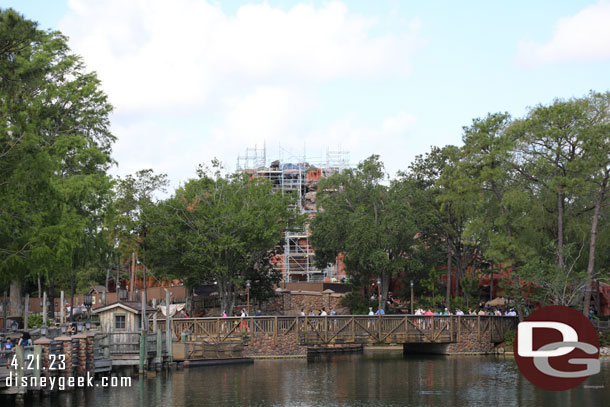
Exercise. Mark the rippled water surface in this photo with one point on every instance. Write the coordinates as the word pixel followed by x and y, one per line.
pixel 369 379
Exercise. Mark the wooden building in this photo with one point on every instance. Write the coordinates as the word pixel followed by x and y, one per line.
pixel 122 316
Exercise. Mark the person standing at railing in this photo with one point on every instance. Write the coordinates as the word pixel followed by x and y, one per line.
pixel 9 345
pixel 25 340
pixel 244 324
pixel 370 322
pixel 333 313
pixel 9 348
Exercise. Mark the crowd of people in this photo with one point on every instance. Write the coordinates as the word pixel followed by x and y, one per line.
pixel 319 313
pixel 483 311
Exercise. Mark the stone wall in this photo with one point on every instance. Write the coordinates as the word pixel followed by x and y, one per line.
pixel 293 301
pixel 469 343
pixel 263 345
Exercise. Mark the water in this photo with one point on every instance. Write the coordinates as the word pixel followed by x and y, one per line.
pixel 370 379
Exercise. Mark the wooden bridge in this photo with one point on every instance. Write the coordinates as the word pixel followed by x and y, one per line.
pixel 346 329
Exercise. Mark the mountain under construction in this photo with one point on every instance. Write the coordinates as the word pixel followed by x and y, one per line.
pixel 299 177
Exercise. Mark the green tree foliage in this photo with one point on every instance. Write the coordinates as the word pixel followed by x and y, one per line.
pixel 55 147
pixel 219 229
pixel 369 222
pixel 541 183
pixel 133 194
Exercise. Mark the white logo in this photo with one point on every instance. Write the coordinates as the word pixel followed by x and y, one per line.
pixel 525 339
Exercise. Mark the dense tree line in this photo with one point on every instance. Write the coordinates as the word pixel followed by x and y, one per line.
pixel 526 194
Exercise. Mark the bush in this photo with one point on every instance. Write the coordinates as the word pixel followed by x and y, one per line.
pixel 604 338
pixel 34 321
pixel 357 304
pixel 509 337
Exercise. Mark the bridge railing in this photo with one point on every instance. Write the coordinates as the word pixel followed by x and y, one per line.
pixel 346 328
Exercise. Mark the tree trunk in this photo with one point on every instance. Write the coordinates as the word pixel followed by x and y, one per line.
pixel 386 279
pixel 107 278
pixel 592 244
pixel 560 208
pixel 51 309
pixel 71 297
pixel 227 298
pixel 117 283
pixel 189 301
pixel 447 301
pixel 39 287
pixel 15 299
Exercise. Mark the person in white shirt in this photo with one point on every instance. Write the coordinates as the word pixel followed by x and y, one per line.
pixel 323 312
pixel 459 312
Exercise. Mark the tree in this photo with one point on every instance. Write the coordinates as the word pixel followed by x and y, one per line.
pixel 133 195
pixel 218 229
pixel 370 223
pixel 596 145
pixel 55 149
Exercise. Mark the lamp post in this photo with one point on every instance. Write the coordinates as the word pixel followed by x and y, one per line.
pixel 411 297
pixel 248 293
pixel 379 295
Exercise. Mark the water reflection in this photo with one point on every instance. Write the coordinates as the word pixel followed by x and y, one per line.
pixel 371 379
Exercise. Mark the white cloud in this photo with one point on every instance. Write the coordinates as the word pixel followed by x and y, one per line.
pixel 191 82
pixel 399 123
pixel 158 55
pixel 582 37
pixel 392 139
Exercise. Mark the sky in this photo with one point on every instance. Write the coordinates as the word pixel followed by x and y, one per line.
pixel 193 80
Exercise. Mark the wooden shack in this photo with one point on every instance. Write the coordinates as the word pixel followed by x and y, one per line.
pixel 122 316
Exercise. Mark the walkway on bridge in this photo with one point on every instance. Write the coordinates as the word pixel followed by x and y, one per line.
pixel 347 329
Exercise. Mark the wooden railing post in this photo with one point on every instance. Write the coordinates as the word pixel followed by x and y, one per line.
pixel 37 361
pixel 159 351
pixel 168 328
pixel 26 312
pixel 275 330
pixel 19 372
pixel 297 328
pixel 106 346
pixel 478 327
pixel 154 301
pixel 142 351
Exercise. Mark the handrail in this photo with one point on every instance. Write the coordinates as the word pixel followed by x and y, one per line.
pixel 372 328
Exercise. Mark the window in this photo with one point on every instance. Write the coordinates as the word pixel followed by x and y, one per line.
pixel 119 321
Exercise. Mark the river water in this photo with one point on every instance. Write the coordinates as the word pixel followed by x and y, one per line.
pixel 369 379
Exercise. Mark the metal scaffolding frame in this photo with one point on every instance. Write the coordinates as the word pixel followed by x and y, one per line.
pixel 289 175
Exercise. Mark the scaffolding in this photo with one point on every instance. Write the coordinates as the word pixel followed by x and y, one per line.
pixel 254 158
pixel 298 177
